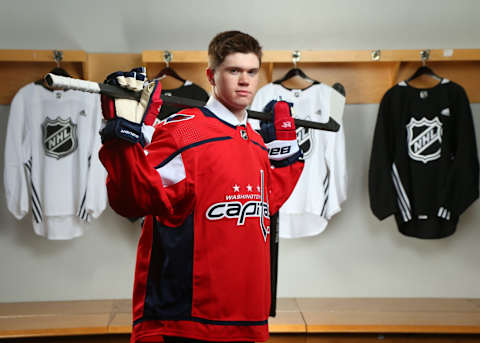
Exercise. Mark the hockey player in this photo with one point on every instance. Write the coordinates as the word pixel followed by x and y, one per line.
pixel 207 184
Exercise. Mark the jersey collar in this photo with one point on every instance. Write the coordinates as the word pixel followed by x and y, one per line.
pixel 224 113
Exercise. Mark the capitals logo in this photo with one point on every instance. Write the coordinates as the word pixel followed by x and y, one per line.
pixel 59 137
pixel 424 138
pixel 255 208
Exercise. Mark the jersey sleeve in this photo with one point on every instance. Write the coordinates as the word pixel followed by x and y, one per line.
pixel 96 197
pixel 337 172
pixel 151 181
pixel 380 184
pixel 283 181
pixel 461 188
pixel 17 153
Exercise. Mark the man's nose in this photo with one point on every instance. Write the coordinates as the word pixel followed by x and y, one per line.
pixel 244 78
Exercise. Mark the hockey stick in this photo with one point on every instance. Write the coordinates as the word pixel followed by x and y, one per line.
pixel 62 82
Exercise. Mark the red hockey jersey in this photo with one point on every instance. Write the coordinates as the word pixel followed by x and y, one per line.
pixel 206 188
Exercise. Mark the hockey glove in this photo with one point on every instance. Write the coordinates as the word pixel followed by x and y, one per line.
pixel 128 119
pixel 279 135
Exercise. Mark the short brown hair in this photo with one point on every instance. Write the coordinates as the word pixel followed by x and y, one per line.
pixel 229 42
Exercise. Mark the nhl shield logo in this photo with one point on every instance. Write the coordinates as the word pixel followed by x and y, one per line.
pixel 424 139
pixel 59 137
pixel 244 134
pixel 305 140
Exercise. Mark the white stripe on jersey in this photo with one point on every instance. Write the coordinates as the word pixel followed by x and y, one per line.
pixel 443 213
pixel 326 184
pixel 403 201
pixel 173 172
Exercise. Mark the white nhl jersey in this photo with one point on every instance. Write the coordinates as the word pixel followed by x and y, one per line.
pixel 51 157
pixel 322 186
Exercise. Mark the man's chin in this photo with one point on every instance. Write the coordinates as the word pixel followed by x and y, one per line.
pixel 242 104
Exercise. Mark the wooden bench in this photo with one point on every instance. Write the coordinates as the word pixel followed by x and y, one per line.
pixel 391 319
pixel 298 320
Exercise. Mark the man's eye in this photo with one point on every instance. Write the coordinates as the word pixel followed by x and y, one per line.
pixel 234 71
pixel 253 72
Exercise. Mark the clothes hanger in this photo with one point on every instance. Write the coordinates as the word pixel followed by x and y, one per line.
pixel 423 69
pixel 292 73
pixel 57 56
pixel 168 71
pixel 295 71
pixel 339 88
pixel 60 71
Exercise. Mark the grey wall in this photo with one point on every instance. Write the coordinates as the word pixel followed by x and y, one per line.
pixel 133 26
pixel 357 255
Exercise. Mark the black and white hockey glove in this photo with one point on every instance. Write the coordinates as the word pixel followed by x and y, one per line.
pixel 129 119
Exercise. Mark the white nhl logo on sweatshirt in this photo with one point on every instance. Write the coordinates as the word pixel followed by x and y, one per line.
pixel 424 139
pixel 59 137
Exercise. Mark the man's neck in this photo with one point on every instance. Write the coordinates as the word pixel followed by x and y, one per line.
pixel 239 114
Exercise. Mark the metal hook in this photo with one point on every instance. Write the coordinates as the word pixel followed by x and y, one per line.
pixel 167 57
pixel 296 57
pixel 376 55
pixel 425 55
pixel 58 57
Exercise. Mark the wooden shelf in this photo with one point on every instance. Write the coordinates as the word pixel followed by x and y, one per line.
pixel 366 80
pixel 101 64
pixel 178 56
pixel 41 56
pixel 322 56
pixel 20 67
pixel 355 56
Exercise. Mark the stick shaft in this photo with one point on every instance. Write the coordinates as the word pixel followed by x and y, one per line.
pixel 63 82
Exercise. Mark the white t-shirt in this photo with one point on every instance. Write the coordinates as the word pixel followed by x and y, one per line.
pixel 51 156
pixel 323 184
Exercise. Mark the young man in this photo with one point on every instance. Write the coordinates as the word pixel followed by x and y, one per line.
pixel 205 183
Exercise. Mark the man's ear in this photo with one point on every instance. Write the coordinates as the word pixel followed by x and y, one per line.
pixel 211 76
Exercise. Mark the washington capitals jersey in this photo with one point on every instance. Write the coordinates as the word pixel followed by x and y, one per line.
pixel 207 190
pixel 51 160
pixel 424 163
pixel 322 187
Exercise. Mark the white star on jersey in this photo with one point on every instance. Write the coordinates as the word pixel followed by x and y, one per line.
pixel 236 188
pixel 249 188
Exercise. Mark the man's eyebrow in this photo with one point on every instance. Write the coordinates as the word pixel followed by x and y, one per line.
pixel 241 68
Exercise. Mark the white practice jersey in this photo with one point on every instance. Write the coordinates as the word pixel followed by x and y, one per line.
pixel 51 160
pixel 323 184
